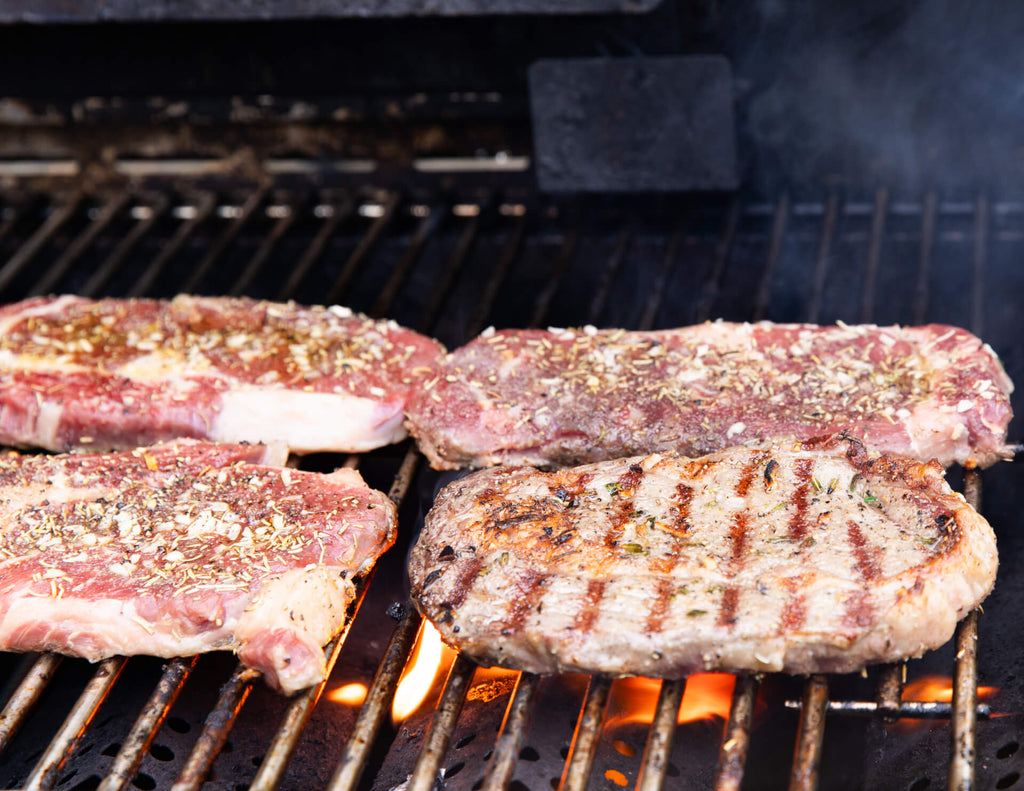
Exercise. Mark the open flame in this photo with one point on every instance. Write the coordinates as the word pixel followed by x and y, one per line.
pixel 429 658
pixel 939 689
pixel 933 689
pixel 635 700
pixel 349 694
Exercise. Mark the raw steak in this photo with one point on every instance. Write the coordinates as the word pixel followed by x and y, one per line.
pixel 566 397
pixel 113 374
pixel 813 558
pixel 183 548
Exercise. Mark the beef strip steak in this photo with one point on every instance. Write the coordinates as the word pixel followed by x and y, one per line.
pixel 808 558
pixel 114 374
pixel 563 397
pixel 182 548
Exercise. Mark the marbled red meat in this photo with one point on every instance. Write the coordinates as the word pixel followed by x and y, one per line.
pixel 182 548
pixel 805 558
pixel 563 397
pixel 114 374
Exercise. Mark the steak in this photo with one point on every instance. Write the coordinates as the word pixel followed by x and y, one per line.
pixel 114 374
pixel 563 397
pixel 183 548
pixel 815 557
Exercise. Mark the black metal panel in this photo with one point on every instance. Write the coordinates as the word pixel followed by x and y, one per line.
pixel 633 124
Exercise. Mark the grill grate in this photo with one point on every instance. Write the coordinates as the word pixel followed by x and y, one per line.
pixel 449 265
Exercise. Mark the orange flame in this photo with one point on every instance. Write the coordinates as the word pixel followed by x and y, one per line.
pixel 429 657
pixel 933 689
pixel 939 689
pixel 635 700
pixel 349 694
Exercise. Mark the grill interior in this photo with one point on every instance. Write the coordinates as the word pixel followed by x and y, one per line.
pixel 450 262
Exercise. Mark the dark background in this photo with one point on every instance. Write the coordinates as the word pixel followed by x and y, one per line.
pixel 917 93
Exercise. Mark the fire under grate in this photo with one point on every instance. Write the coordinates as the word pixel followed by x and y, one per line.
pixel 450 265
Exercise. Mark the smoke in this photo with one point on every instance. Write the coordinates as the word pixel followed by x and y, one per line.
pixel 923 93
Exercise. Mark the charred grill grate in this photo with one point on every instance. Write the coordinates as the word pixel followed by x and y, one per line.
pixel 451 264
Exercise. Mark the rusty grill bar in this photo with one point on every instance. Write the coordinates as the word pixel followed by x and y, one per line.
pixel 141 242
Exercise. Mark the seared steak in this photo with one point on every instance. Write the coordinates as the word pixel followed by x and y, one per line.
pixel 813 558
pixel 183 548
pixel 565 397
pixel 115 373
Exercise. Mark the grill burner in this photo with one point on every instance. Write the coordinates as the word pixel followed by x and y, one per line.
pixel 449 265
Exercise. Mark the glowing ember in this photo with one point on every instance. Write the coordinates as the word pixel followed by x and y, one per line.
pixel 429 657
pixel 939 689
pixel 635 700
pixel 349 694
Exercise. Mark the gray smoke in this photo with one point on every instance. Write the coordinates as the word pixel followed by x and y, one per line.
pixel 923 93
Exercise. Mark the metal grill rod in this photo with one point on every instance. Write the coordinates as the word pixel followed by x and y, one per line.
pixel 908 709
pixel 810 735
pixel 259 259
pixel 543 304
pixel 382 691
pixel 157 208
pixel 965 680
pixel 668 260
pixel 584 740
pixel 287 735
pixel 204 208
pixel 828 230
pixel 340 213
pixel 513 732
pixel 128 758
pixel 920 309
pixel 377 704
pixel 508 255
pixel 17 212
pixel 453 266
pixel 733 756
pixel 890 691
pixel 366 243
pixel 17 262
pixel 426 228
pixel 611 268
pixel 63 744
pixel 218 725
pixel 723 247
pixel 867 305
pixel 198 275
pixel 20 704
pixel 764 290
pixel 441 726
pixel 663 730
pixel 51 278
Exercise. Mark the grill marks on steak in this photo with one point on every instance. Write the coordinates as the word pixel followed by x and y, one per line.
pixel 119 373
pixel 563 397
pixel 815 558
pixel 183 548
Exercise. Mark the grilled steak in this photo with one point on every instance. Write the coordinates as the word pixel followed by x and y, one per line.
pixel 566 397
pixel 183 548
pixel 812 558
pixel 113 374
